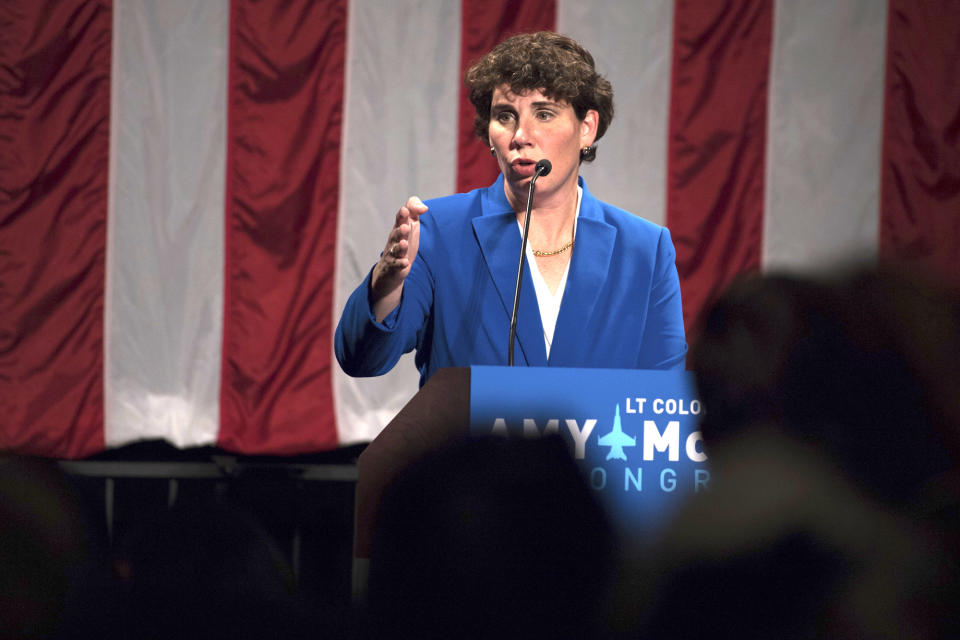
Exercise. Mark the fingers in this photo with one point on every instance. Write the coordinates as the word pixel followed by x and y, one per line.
pixel 398 250
pixel 395 256
pixel 403 239
pixel 415 207
pixel 398 246
pixel 406 223
pixel 410 212
pixel 400 234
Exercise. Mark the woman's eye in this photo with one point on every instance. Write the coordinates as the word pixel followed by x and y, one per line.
pixel 504 117
pixel 544 115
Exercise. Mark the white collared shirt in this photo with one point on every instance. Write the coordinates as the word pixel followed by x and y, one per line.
pixel 549 303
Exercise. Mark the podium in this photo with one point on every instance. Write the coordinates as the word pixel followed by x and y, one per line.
pixel 437 416
pixel 634 434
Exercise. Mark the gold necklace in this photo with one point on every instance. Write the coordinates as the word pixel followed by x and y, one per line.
pixel 541 254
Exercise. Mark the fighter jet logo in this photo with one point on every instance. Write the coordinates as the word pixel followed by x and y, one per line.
pixel 617 440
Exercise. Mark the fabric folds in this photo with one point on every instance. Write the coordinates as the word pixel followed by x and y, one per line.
pixel 54 156
pixel 285 114
pixel 920 217
pixel 716 145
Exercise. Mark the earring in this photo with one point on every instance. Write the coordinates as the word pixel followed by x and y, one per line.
pixel 492 152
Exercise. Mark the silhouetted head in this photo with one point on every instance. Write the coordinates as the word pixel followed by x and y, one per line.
pixel 493 538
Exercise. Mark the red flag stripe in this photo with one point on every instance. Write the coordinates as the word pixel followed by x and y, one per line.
pixel 717 141
pixel 285 103
pixel 920 192
pixel 55 106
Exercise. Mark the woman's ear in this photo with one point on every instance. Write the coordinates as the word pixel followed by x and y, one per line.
pixel 588 128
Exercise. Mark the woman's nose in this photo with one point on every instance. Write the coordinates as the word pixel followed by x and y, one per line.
pixel 521 136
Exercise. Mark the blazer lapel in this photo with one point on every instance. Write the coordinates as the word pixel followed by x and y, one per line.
pixel 499 239
pixel 589 266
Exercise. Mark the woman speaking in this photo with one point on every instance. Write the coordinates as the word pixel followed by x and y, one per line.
pixel 600 287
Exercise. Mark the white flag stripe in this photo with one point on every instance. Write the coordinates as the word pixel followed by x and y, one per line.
pixel 164 301
pixel 824 133
pixel 399 139
pixel 631 43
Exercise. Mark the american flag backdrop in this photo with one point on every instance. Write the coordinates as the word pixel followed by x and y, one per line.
pixel 189 189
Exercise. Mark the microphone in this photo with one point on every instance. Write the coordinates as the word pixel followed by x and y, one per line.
pixel 543 168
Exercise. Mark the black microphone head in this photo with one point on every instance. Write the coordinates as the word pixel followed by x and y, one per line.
pixel 543 167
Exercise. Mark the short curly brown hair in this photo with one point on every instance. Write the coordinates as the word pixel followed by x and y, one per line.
pixel 545 60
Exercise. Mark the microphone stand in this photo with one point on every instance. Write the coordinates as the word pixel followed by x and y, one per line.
pixel 543 168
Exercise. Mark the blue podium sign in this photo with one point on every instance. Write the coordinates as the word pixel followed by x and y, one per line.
pixel 634 433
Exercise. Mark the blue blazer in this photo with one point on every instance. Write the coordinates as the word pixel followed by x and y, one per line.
pixel 621 307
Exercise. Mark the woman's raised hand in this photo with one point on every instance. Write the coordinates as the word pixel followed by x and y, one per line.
pixel 386 282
